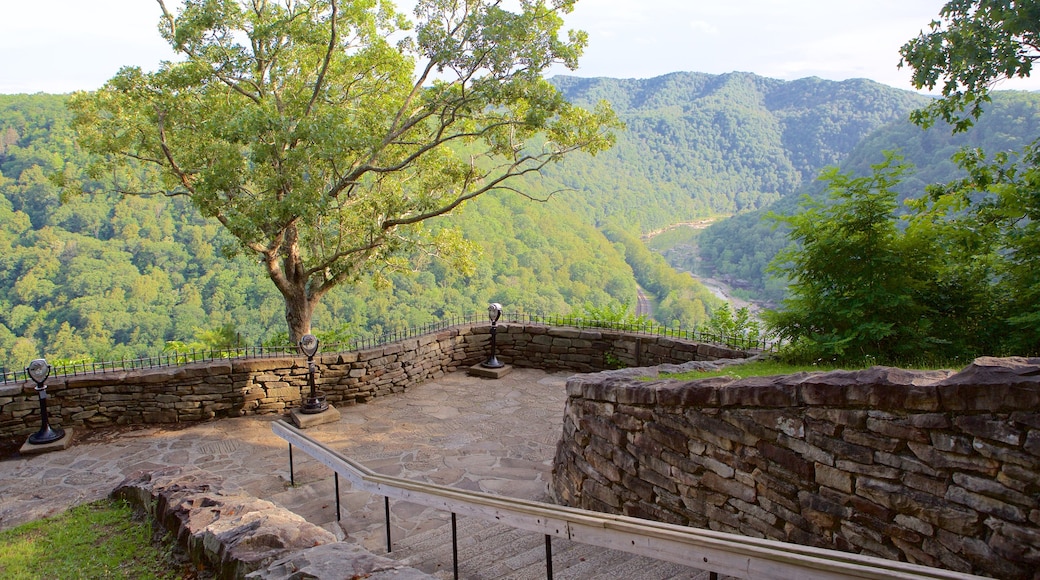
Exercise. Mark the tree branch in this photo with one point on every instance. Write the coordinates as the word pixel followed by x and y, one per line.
pixel 494 184
pixel 182 175
pixel 333 34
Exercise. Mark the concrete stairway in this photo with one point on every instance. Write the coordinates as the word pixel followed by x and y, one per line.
pixel 493 551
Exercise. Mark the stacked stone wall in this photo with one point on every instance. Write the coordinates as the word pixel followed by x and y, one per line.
pixel 934 468
pixel 247 386
pixel 592 350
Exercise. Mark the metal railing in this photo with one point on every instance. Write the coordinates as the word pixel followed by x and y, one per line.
pixel 175 358
pixel 651 328
pixel 716 552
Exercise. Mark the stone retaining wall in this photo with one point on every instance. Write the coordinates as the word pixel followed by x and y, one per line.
pixel 246 386
pixel 934 468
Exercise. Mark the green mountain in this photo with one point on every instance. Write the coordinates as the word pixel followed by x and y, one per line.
pixel 104 276
pixel 699 145
pixel 738 249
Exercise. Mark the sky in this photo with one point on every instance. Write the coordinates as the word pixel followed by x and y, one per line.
pixel 59 46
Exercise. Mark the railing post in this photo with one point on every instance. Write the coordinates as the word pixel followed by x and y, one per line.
pixel 292 478
pixel 548 557
pixel 454 546
pixel 386 506
pixel 335 476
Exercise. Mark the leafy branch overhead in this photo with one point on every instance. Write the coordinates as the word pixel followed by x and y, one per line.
pixel 973 45
pixel 955 276
pixel 323 133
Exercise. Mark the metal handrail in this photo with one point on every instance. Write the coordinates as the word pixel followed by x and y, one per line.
pixel 717 552
pixel 171 359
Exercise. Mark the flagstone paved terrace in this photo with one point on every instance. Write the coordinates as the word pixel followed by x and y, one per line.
pixel 495 436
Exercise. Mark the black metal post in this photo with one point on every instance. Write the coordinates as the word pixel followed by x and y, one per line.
pixel 493 362
pixel 455 546
pixel 335 476
pixel 292 477
pixel 386 506
pixel 548 557
pixel 46 434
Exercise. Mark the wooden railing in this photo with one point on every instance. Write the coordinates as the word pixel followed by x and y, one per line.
pixel 716 552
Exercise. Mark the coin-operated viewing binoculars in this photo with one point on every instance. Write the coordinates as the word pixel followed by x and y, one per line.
pixel 315 402
pixel 494 313
pixel 38 371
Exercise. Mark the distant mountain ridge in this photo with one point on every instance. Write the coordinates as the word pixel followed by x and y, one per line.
pixel 739 249
pixel 106 276
pixel 699 144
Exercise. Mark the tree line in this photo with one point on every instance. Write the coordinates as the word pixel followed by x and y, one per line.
pixel 144 215
pixel 103 276
pixel 955 274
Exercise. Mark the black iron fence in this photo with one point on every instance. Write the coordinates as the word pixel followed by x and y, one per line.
pixel 652 329
pixel 174 358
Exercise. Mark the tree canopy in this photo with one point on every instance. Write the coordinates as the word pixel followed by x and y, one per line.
pixel 849 271
pixel 322 134
pixel 739 249
pixel 976 44
pixel 172 282
pixel 959 277
pixel 973 45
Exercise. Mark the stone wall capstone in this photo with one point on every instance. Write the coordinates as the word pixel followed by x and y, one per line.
pixel 262 385
pixel 935 468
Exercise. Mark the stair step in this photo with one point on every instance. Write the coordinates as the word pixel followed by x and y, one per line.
pixel 491 551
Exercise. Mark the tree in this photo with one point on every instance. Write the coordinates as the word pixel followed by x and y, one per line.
pixel 978 43
pixel 851 284
pixel 975 44
pixel 738 326
pixel 324 133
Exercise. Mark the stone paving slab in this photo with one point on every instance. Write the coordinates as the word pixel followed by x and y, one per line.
pixel 491 435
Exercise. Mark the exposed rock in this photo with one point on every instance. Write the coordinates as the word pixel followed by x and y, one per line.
pixel 234 533
pixel 336 562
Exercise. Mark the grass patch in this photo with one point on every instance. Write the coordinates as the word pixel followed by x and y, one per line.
pixel 104 539
pixel 763 368
pixel 770 367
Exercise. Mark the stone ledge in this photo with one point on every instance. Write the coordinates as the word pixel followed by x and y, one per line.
pixel 252 386
pixel 337 562
pixel 36 448
pixel 306 420
pixel 479 370
pixel 932 467
pixel 14 390
pixel 236 534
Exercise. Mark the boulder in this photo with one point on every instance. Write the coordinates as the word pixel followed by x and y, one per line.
pixel 234 533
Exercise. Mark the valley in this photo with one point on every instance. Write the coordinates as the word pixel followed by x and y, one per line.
pixel 97 276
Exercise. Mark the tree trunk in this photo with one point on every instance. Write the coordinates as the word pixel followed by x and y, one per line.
pixel 298 312
pixel 286 269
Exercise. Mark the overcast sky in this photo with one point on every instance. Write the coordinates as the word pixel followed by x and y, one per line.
pixel 59 46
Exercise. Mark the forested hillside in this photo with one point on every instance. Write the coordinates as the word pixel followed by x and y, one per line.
pixel 699 144
pixel 739 249
pixel 100 276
